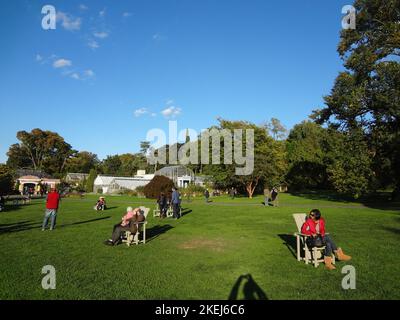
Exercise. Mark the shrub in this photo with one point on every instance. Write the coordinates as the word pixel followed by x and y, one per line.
pixel 157 185
pixel 6 179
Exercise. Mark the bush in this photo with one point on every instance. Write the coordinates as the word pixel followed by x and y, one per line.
pixel 6 180
pixel 194 190
pixel 157 185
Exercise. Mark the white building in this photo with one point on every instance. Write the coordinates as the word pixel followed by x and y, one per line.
pixel 110 184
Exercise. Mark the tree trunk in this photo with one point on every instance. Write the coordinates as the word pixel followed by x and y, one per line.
pixel 251 187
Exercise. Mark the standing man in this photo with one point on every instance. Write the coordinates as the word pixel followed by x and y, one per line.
pixel 266 196
pixel 232 193
pixel 175 202
pixel 206 195
pixel 52 202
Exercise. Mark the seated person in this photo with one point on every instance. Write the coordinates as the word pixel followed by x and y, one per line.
pixel 127 223
pixel 315 227
pixel 100 204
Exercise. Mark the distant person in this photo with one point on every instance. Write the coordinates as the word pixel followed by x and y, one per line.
pixel 232 193
pixel 2 203
pixel 127 223
pixel 176 202
pixel 162 205
pixel 315 227
pixel 100 204
pixel 267 193
pixel 206 195
pixel 274 196
pixel 52 203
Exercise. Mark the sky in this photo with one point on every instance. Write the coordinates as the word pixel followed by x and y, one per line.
pixel 113 70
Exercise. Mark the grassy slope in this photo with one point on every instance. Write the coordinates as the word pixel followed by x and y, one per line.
pixel 197 257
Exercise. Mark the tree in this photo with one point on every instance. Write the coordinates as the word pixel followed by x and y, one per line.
pixel 366 97
pixel 82 162
pixel 307 150
pixel 90 180
pixel 43 150
pixel 269 161
pixel 6 179
pixel 111 165
pixel 276 128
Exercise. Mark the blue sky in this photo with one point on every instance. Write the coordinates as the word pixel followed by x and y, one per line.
pixel 112 70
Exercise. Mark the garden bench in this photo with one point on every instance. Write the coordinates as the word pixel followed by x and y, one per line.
pixel 131 238
pixel 315 254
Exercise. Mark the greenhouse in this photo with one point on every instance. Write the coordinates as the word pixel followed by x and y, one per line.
pixel 180 175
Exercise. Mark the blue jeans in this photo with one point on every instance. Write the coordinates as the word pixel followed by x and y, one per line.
pixel 330 246
pixel 50 214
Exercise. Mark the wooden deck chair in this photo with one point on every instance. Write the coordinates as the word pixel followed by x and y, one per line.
pixel 315 254
pixel 131 238
pixel 156 212
pixel 170 212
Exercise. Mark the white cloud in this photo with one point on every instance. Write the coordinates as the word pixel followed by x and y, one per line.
pixel 140 112
pixel 68 22
pixel 171 112
pixel 101 35
pixel 83 7
pixel 169 102
pixel 102 13
pixel 153 114
pixel 39 57
pixel 75 76
pixel 127 14
pixel 88 73
pixel 61 63
pixel 93 44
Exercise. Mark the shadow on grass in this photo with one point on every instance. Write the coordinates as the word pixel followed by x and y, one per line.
pixel 19 226
pixel 84 222
pixel 378 200
pixel 290 243
pixel 393 230
pixel 250 289
pixel 154 232
pixel 185 211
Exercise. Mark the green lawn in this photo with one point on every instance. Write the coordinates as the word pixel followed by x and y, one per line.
pixel 201 255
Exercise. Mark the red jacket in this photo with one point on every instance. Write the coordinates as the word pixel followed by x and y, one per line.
pixel 52 201
pixel 309 227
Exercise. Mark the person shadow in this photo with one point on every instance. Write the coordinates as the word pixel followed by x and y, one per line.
pixel 250 289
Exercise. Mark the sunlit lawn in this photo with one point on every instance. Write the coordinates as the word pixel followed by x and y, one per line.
pixel 201 255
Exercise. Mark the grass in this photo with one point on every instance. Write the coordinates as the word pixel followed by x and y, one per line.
pixel 200 256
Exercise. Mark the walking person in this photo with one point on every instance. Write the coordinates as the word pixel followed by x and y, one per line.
pixel 207 195
pixel 266 196
pixel 232 193
pixel 162 205
pixel 52 202
pixel 176 202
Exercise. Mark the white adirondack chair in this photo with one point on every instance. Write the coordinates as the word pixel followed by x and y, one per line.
pixel 315 254
pixel 156 212
pixel 131 238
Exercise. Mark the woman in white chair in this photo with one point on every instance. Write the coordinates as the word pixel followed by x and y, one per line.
pixel 132 215
pixel 315 227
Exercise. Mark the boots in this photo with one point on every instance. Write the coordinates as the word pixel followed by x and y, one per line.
pixel 328 263
pixel 341 256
